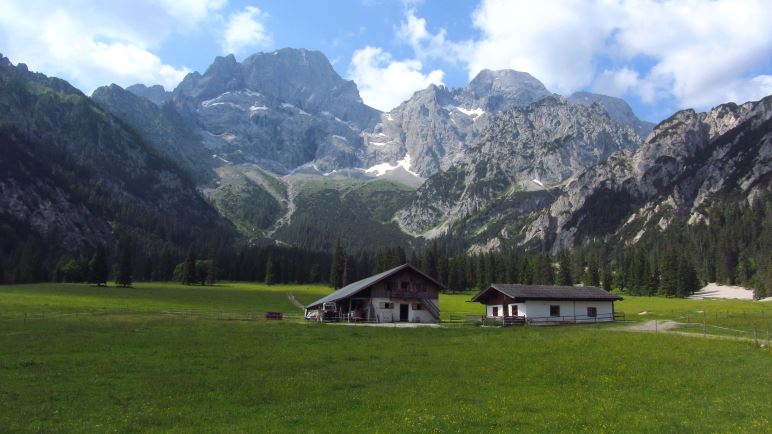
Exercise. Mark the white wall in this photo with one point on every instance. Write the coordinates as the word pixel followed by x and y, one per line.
pixel 392 315
pixel 539 310
pixel 505 310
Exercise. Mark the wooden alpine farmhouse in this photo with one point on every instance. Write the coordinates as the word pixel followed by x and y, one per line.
pixel 536 303
pixel 402 294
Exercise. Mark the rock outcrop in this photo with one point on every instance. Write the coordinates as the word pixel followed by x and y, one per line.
pixel 686 162
pixel 522 149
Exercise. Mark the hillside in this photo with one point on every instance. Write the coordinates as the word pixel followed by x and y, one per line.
pixel 75 177
pixel 358 212
pixel 688 162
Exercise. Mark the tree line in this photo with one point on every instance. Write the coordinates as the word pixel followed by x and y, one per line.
pixel 734 248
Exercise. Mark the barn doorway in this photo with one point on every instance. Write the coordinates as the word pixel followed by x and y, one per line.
pixel 403 312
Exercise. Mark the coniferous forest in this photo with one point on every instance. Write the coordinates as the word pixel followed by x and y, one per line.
pixel 733 249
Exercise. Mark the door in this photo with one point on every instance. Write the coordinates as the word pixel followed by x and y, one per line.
pixel 403 312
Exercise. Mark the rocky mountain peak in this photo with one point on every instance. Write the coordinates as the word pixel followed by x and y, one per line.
pixel 496 90
pixel 156 94
pixel 617 109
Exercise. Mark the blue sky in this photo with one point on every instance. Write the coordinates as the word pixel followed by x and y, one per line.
pixel 658 55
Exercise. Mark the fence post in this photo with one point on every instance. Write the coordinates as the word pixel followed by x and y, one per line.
pixel 656 327
pixel 756 336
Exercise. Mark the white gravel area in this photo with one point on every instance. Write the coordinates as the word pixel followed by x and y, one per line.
pixel 714 290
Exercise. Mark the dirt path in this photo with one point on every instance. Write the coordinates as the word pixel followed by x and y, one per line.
pixel 650 326
pixel 295 301
pixel 667 326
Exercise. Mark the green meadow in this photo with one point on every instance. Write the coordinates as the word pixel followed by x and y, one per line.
pixel 75 358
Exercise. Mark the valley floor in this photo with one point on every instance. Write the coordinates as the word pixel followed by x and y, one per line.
pixel 163 357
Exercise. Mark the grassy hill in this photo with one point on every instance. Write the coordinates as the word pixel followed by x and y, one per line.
pixel 250 198
pixel 131 368
pixel 358 212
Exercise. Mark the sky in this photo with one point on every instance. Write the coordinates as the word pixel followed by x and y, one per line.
pixel 660 56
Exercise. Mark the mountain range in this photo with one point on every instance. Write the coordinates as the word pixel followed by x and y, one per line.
pixel 279 148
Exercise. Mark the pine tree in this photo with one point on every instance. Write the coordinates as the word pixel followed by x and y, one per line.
pixel 211 274
pixel 338 263
pixel 453 284
pixel 270 273
pixel 123 276
pixel 564 270
pixel 442 270
pixel 348 271
pixel 686 278
pixel 2 273
pixel 98 268
pixel 189 272
pixel 313 274
pixel 668 275
pixel 607 279
pixel 592 274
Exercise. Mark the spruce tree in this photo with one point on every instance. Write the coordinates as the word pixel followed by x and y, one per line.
pixel 607 279
pixel 564 270
pixel 98 268
pixel 313 274
pixel 453 283
pixel 668 275
pixel 338 263
pixel 123 276
pixel 2 273
pixel 189 272
pixel 442 270
pixel 211 274
pixel 592 274
pixel 270 272
pixel 348 271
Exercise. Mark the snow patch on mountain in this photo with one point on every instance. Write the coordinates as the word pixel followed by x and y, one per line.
pixel 383 168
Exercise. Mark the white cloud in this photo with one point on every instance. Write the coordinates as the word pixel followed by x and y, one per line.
pixel 694 52
pixel 384 82
pixel 553 40
pixel 425 44
pixel 192 11
pixel 699 53
pixel 246 29
pixel 93 44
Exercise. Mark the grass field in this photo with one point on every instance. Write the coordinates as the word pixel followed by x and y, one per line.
pixel 131 369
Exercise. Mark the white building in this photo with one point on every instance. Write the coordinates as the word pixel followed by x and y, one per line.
pixel 402 294
pixel 536 303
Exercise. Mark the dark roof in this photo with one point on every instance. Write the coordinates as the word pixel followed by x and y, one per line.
pixel 548 292
pixel 350 290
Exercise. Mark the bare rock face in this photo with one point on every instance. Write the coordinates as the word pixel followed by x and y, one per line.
pixel 155 94
pixel 685 162
pixel 282 110
pixel 437 125
pixel 548 141
pixel 618 110
pixel 161 126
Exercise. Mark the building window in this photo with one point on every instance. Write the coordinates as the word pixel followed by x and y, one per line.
pixel 495 311
pixel 387 305
pixel 514 310
pixel 554 310
pixel 592 312
pixel 389 285
pixel 417 306
pixel 404 285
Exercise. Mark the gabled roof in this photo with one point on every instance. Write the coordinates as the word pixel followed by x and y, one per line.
pixel 352 289
pixel 548 292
